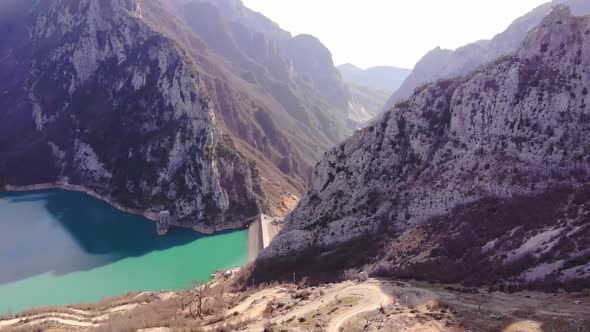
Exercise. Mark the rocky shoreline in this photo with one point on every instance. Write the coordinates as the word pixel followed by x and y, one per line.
pixel 150 215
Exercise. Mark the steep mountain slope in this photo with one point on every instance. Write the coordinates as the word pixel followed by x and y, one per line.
pixel 283 147
pixel 382 78
pixel 365 104
pixel 281 114
pixel 235 11
pixel 298 72
pixel 370 89
pixel 92 96
pixel 265 64
pixel 313 61
pixel 442 64
pixel 489 173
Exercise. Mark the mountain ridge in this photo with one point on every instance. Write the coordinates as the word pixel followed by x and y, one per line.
pixel 140 132
pixel 443 63
pixel 500 132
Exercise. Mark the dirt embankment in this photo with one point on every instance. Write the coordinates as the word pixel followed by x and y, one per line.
pixel 374 305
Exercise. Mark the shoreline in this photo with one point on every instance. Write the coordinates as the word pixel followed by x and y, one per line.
pixel 150 215
pixel 253 234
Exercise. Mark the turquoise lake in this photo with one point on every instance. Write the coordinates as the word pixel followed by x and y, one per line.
pixel 59 247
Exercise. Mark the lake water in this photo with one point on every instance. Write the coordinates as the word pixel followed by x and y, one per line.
pixel 59 247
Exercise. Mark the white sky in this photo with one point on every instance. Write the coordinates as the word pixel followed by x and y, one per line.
pixel 392 32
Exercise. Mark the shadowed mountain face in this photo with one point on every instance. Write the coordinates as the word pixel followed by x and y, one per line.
pixel 488 172
pixel 298 73
pixel 203 108
pixel 94 96
pixel 382 78
pixel 284 106
pixel 443 64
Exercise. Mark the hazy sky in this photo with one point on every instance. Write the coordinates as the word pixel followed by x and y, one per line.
pixel 392 32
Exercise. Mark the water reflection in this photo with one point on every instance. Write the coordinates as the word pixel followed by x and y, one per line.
pixel 62 232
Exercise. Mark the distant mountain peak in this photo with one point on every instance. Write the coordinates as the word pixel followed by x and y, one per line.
pixel 441 63
pixel 384 78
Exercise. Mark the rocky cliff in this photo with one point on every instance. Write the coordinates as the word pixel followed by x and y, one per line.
pixel 443 64
pixel 92 96
pixel 298 72
pixel 489 172
pixel 300 77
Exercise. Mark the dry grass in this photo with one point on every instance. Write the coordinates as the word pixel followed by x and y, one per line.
pixel 317 320
pixel 157 314
pixel 133 297
pixel 97 307
pixel 181 312
pixel 44 327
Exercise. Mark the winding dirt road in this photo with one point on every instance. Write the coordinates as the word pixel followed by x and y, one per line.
pixel 372 295
pixel 75 318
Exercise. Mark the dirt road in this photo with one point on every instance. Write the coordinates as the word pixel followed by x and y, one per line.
pixel 75 318
pixel 372 295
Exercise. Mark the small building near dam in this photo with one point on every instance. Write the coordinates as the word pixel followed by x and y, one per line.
pixel 163 223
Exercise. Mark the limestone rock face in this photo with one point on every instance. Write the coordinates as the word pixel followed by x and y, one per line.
pixel 444 64
pixel 519 127
pixel 113 106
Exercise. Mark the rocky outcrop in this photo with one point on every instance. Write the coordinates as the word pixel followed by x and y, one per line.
pixel 113 106
pixel 443 64
pixel 518 128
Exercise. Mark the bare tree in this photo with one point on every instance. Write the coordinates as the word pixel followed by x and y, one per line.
pixel 200 293
pixel 194 299
pixel 480 302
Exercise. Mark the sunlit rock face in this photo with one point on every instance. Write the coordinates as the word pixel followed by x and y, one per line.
pixel 105 102
pixel 443 63
pixel 516 128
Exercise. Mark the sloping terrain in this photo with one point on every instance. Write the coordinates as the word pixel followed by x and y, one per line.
pixel 268 65
pixel 285 112
pixel 206 109
pixel 373 305
pixel 382 78
pixel 443 64
pixel 92 96
pixel 370 89
pixel 516 130
pixel 366 103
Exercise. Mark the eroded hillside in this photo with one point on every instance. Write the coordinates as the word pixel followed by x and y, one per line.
pixel 97 98
pixel 471 160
